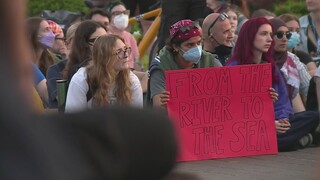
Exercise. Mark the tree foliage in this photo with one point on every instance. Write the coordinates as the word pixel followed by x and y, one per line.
pixel 297 7
pixel 36 6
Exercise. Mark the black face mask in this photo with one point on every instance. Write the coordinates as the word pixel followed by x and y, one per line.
pixel 223 50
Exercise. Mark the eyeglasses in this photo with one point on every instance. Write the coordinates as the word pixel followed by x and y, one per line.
pixel 123 53
pixel 62 39
pixel 115 13
pixel 223 16
pixel 280 34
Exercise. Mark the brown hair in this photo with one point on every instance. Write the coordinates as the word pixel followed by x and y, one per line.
pixel 101 73
pixel 288 17
pixel 45 58
pixel 80 52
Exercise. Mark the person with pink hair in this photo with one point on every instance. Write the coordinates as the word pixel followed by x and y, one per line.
pixel 293 130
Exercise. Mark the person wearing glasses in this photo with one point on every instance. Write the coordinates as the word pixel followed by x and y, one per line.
pixel 118 25
pixel 294 72
pixel 81 49
pixel 294 42
pixel 59 46
pixel 218 36
pixel 108 75
pixel 294 131
pixel 54 72
pixel 183 51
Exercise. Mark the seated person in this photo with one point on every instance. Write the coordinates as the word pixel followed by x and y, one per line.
pixel 294 72
pixel 59 47
pixel 183 51
pixel 291 128
pixel 107 80
pixel 218 36
pixel 54 72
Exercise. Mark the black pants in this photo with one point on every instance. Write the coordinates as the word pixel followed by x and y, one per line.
pixel 144 5
pixel 301 124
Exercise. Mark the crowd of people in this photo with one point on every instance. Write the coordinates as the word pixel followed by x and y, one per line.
pixel 99 59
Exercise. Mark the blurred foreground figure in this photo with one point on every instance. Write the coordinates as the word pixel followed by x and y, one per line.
pixel 108 144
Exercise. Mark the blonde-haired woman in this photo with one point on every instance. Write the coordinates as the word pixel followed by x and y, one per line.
pixel 107 80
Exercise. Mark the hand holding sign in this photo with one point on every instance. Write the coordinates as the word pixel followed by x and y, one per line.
pixel 164 98
pixel 223 112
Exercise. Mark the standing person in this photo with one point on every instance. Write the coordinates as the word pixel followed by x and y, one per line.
pixel 119 23
pixel 293 71
pixel 107 78
pixel 218 36
pixel 174 11
pixel 310 29
pixel 87 32
pixel 184 51
pixel 142 6
pixel 293 25
pixel 257 36
pixel 41 39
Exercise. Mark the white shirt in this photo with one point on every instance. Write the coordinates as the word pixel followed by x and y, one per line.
pixel 77 92
pixel 303 74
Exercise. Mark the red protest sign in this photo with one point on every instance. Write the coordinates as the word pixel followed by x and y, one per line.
pixel 222 112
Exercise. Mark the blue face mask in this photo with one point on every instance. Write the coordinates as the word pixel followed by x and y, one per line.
pixel 193 54
pixel 294 40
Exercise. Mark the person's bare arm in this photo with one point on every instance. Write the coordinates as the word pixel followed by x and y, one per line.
pixel 297 104
pixel 312 68
pixel 43 90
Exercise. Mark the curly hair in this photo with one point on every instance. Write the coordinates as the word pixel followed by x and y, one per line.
pixel 102 75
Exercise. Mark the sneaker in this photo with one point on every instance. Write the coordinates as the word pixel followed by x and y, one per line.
pixel 306 140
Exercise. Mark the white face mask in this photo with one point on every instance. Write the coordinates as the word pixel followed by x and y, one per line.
pixel 121 21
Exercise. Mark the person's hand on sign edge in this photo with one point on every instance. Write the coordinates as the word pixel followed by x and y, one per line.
pixel 274 95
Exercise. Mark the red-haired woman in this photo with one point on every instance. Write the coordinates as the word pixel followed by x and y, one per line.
pixel 292 129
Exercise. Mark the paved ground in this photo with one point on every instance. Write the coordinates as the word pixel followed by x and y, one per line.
pixel 297 165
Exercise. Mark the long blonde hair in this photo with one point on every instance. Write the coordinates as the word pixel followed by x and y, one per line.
pixel 102 75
